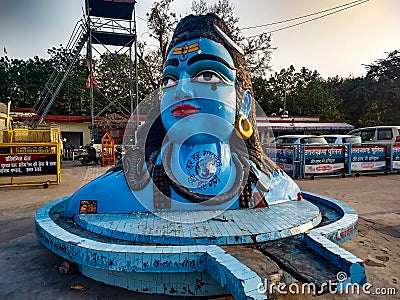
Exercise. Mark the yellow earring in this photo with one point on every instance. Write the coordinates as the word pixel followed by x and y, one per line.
pixel 244 127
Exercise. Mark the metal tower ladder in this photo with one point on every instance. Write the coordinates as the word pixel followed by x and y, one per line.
pixel 58 77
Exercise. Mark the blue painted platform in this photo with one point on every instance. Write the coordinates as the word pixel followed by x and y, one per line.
pixel 231 227
pixel 113 255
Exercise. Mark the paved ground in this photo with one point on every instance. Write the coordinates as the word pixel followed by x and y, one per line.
pixel 30 271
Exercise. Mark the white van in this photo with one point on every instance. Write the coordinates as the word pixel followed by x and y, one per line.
pixel 300 139
pixel 378 134
pixel 338 139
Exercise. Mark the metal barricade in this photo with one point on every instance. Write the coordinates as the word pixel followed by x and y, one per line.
pixel 395 158
pixel 369 159
pixel 69 154
pixel 323 160
pixel 311 161
pixel 30 157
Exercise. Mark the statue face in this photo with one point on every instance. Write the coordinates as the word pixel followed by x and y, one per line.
pixel 199 98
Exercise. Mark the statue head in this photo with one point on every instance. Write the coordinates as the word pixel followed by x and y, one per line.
pixel 206 98
pixel 206 86
pixel 211 27
pixel 200 82
pixel 199 98
pixel 206 74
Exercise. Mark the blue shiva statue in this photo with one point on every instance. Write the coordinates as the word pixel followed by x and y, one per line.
pixel 199 148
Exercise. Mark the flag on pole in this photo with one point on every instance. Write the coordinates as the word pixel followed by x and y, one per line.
pixel 5 51
pixel 95 83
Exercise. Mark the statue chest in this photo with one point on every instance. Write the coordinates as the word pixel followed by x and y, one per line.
pixel 204 169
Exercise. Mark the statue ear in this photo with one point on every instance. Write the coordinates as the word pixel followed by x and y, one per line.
pixel 246 104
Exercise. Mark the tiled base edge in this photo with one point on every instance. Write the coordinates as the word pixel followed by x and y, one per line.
pixel 324 240
pixel 176 284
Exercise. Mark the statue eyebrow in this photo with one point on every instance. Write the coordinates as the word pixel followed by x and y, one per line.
pixel 171 62
pixel 200 57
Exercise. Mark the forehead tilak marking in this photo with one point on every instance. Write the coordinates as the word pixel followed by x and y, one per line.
pixel 189 48
pixel 185 49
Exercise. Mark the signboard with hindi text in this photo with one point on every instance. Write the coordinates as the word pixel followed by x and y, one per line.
pixel 368 158
pixel 30 157
pixel 27 164
pixel 396 157
pixel 282 156
pixel 324 160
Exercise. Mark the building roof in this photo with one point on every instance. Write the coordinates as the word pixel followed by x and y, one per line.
pixel 300 123
pixel 295 123
pixel 301 126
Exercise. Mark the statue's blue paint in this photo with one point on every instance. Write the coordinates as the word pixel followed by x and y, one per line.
pixel 206 168
pixel 206 84
pixel 198 111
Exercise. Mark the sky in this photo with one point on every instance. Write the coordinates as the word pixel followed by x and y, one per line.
pixel 338 44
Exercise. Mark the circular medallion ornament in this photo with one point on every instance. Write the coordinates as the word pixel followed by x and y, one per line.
pixel 203 169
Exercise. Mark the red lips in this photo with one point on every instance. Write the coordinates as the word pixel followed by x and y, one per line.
pixel 184 110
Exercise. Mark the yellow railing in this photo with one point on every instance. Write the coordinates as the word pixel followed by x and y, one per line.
pixel 29 136
pixel 30 157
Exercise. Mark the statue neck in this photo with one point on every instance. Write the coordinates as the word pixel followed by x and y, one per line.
pixel 206 168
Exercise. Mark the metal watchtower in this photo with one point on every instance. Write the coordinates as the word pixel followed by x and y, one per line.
pixel 106 23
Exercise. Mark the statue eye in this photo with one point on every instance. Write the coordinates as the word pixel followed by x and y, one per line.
pixel 168 81
pixel 207 77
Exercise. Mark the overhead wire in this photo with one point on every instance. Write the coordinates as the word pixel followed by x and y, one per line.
pixel 143 19
pixel 298 18
pixel 336 9
pixel 346 6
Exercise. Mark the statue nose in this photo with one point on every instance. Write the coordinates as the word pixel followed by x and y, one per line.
pixel 184 90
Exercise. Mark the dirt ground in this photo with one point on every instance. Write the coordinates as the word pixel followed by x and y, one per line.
pixel 377 201
pixel 30 271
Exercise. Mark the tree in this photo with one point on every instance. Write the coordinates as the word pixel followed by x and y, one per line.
pixel 5 81
pixel 161 23
pixel 257 49
pixel 374 99
pixel 113 73
pixel 20 80
pixel 388 68
pixel 73 98
pixel 355 93
pixel 225 10
pixel 385 77
pixel 299 93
